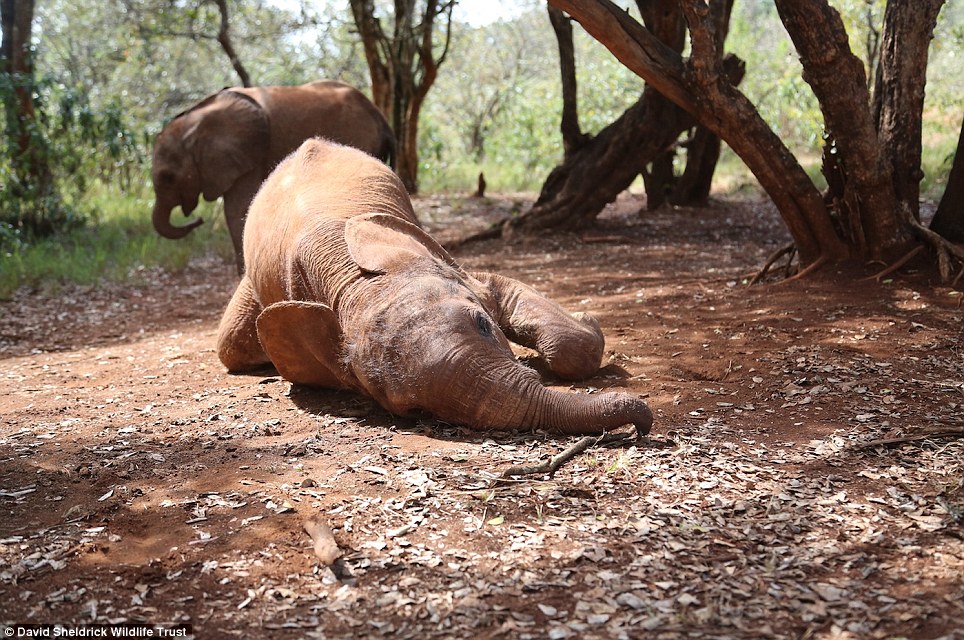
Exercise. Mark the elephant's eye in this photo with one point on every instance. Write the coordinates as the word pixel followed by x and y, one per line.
pixel 165 177
pixel 483 324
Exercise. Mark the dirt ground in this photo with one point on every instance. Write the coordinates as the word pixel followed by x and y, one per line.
pixel 804 477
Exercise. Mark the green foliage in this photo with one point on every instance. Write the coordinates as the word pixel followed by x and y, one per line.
pixel 513 65
pixel 68 142
pixel 121 246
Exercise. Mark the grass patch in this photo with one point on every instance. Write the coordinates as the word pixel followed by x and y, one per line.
pixel 115 245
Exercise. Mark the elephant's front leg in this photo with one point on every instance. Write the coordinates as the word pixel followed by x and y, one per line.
pixel 238 346
pixel 571 344
pixel 237 200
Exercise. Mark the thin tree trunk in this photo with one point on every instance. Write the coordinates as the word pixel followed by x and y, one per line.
pixel 572 136
pixel 702 153
pixel 224 38
pixel 837 78
pixel 403 68
pixel 949 219
pixel 375 45
pixel 703 148
pixel 33 179
pixel 899 92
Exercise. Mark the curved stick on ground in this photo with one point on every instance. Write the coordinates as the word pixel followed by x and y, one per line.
pixel 553 464
pixel 790 249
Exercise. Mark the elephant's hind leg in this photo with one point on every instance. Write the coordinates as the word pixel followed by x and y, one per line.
pixel 238 346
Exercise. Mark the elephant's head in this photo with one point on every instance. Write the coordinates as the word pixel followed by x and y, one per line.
pixel 203 151
pixel 419 333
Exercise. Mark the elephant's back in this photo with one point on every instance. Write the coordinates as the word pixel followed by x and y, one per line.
pixel 340 181
pixel 294 246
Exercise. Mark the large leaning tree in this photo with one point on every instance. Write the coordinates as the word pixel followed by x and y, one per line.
pixel 642 141
pixel 872 150
pixel 404 49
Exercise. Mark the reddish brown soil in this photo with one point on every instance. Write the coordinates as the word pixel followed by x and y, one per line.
pixel 803 477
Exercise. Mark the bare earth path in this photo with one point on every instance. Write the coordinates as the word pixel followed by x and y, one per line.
pixel 804 479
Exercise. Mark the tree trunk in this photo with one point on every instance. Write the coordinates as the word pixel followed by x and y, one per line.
pixel 403 67
pixel 589 179
pixel 33 183
pixel 595 171
pixel 949 219
pixel 899 93
pixel 572 136
pixel 224 39
pixel 702 89
pixel 702 153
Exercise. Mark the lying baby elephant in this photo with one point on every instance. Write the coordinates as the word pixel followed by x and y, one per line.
pixel 344 290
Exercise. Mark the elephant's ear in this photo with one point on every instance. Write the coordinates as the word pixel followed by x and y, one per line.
pixel 302 340
pixel 230 140
pixel 380 243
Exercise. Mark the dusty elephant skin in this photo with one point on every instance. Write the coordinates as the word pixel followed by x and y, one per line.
pixel 227 144
pixel 344 290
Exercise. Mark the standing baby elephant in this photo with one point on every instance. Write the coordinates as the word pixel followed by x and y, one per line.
pixel 227 144
pixel 344 290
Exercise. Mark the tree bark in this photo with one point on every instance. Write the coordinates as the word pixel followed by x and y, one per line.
pixel 899 92
pixel 572 136
pixel 692 188
pixel 702 153
pixel 596 170
pixel 949 219
pixel 665 21
pixel 33 179
pixel 224 39
pixel 590 178
pixel 702 90
pixel 403 68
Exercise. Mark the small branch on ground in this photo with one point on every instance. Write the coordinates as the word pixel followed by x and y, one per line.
pixel 933 432
pixel 553 464
pixel 600 239
pixel 803 273
pixel 788 250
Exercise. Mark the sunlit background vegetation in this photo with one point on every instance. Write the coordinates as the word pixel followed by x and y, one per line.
pixel 111 73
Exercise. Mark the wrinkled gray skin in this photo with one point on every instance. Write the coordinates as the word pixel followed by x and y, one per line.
pixel 344 290
pixel 227 144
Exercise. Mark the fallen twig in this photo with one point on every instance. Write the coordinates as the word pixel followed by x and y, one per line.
pixel 936 432
pixel 491 232
pixel 553 464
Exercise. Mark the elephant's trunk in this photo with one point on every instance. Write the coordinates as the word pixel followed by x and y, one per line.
pixel 499 401
pixel 162 223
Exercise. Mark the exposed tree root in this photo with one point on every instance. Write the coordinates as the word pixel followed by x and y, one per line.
pixel 790 250
pixel 946 251
pixel 897 265
pixel 495 230
pixel 553 464
pixel 957 278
